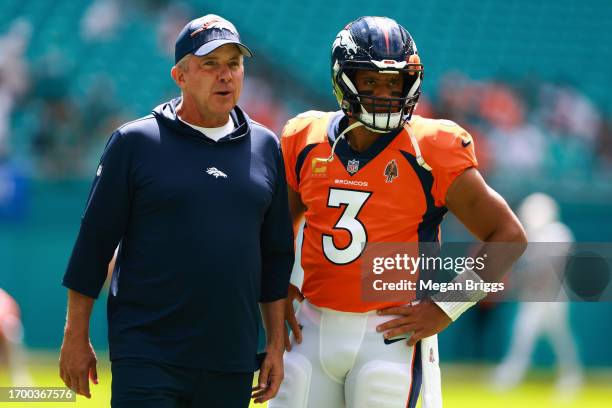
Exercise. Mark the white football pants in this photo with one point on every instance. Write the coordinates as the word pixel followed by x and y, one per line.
pixel 344 362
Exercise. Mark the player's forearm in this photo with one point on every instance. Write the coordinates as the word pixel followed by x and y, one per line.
pixel 273 316
pixel 79 313
pixel 502 248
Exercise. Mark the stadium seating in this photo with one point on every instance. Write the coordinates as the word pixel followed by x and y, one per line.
pixel 555 40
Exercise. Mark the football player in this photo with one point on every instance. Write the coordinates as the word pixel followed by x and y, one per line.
pixel 539 214
pixel 372 173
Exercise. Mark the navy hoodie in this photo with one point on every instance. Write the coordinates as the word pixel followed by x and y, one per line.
pixel 204 233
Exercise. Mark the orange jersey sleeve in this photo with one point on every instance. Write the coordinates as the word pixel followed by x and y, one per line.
pixel 449 151
pixel 297 134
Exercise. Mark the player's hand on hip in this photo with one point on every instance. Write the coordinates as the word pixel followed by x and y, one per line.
pixel 77 363
pixel 270 376
pixel 423 320
pixel 293 294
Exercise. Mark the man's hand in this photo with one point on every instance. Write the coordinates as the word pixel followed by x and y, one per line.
pixel 423 319
pixel 78 363
pixel 294 293
pixel 270 375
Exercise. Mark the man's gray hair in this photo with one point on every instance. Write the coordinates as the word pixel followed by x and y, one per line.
pixel 183 63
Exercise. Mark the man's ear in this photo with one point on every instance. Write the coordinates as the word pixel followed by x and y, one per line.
pixel 178 76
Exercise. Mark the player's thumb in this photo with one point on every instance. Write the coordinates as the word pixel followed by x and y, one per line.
pixel 264 372
pixel 93 374
pixel 296 329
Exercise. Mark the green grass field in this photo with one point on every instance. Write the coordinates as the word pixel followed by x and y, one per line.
pixel 463 387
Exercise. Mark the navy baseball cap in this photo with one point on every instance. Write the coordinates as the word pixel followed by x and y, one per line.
pixel 204 35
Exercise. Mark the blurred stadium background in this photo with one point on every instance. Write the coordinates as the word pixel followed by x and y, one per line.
pixel 531 80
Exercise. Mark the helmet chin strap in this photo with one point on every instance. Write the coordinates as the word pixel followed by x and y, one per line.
pixel 340 136
pixel 376 130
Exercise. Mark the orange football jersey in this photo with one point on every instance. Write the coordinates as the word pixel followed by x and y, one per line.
pixel 380 195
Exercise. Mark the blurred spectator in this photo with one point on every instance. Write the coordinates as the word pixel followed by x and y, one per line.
pixel 172 20
pixel 71 129
pixel 520 149
pixel 14 78
pixel 101 114
pixel 57 142
pixel 566 111
pixel 100 108
pixel 258 99
pixel 13 191
pixel 457 98
pixel 100 20
pixel 501 107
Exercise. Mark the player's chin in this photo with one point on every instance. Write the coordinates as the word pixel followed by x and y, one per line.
pixel 222 104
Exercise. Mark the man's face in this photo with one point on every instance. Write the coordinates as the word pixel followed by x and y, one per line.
pixel 373 83
pixel 214 81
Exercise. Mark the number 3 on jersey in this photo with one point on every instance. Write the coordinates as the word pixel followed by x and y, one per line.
pixel 354 201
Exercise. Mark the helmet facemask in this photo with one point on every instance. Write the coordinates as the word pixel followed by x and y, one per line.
pixel 378 114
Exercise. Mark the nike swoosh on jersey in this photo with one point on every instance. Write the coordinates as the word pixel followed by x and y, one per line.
pixel 394 340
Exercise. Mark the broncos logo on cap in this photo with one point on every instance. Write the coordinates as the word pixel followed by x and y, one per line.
pixel 215 22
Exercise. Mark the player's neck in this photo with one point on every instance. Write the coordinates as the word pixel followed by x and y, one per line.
pixel 360 138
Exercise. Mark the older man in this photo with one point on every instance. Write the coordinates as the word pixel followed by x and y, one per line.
pixel 195 196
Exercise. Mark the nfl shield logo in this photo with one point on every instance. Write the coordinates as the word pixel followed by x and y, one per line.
pixel 352 166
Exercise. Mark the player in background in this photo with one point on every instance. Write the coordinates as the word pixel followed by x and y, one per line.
pixel 12 353
pixel 373 172
pixel 539 213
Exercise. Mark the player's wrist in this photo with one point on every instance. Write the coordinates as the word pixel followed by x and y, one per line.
pixel 443 312
pixel 275 347
pixel 275 340
pixel 455 302
pixel 76 331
